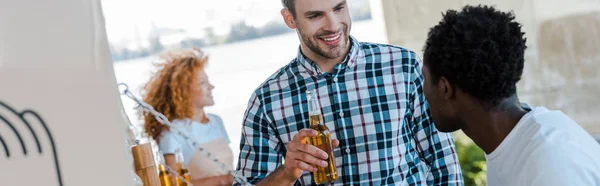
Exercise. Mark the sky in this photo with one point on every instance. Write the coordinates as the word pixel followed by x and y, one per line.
pixel 125 18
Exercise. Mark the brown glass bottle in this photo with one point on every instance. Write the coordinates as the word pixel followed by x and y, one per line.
pixel 322 141
pixel 163 175
pixel 181 170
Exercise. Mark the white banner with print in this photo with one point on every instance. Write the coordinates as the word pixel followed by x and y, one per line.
pixel 60 111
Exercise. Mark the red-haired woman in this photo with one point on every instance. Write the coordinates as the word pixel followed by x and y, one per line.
pixel 180 90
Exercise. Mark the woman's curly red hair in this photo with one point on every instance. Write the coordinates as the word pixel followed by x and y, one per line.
pixel 169 90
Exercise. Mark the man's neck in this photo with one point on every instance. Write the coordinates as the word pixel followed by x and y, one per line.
pixel 325 64
pixel 489 127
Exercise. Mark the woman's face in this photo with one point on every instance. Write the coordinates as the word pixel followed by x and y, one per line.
pixel 202 91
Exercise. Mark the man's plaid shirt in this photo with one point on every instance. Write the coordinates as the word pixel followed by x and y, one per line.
pixel 373 103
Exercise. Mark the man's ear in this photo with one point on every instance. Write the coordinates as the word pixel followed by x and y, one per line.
pixel 288 18
pixel 447 89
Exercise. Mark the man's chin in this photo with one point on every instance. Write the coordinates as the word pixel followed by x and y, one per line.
pixel 334 52
pixel 447 129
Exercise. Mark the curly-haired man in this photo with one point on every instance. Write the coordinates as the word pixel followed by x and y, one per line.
pixel 472 62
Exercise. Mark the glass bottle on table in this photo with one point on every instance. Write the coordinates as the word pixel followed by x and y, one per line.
pixel 163 174
pixel 182 169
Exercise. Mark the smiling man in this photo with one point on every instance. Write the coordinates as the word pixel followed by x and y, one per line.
pixel 371 98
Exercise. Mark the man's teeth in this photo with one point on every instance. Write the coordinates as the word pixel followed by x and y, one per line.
pixel 332 38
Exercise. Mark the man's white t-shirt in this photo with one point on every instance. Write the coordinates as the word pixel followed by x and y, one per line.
pixel 170 141
pixel 545 148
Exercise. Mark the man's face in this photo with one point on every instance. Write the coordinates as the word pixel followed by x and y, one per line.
pixel 440 107
pixel 323 26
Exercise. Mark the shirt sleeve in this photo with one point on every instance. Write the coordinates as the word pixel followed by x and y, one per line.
pixel 222 127
pixel 260 149
pixel 435 148
pixel 562 163
pixel 167 143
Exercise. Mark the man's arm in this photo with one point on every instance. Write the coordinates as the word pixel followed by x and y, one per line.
pixel 300 157
pixel 561 162
pixel 278 177
pixel 435 148
pixel 260 152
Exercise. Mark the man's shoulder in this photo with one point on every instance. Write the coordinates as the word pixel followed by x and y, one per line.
pixel 386 48
pixel 554 127
pixel 567 149
pixel 402 60
pixel 274 79
pixel 562 162
pixel 389 53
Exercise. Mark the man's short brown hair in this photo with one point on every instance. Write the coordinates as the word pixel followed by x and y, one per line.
pixel 289 4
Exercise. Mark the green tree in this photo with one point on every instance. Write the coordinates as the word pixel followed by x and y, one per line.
pixel 274 28
pixel 242 31
pixel 472 161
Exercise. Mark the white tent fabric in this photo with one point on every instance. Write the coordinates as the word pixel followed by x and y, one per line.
pixel 60 110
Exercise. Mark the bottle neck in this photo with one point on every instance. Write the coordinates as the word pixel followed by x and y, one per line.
pixel 162 168
pixel 316 119
pixel 314 110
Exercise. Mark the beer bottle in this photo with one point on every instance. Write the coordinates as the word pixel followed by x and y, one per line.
pixel 321 141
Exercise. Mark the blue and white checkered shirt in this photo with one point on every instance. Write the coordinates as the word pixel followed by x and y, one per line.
pixel 373 103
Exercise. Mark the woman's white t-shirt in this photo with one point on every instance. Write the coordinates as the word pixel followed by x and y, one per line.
pixel 170 141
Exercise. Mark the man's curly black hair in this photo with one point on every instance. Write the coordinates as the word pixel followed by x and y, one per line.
pixel 480 50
